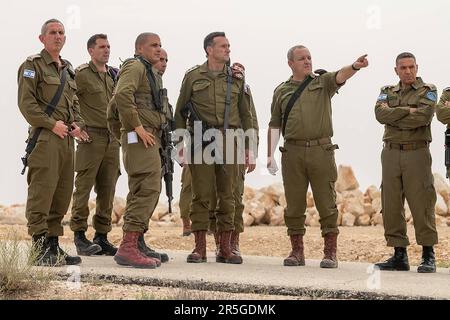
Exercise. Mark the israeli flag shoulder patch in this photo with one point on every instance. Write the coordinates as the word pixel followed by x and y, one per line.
pixel 27 73
pixel 431 95
pixel 382 97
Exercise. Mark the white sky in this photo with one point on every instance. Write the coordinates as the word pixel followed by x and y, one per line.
pixel 260 33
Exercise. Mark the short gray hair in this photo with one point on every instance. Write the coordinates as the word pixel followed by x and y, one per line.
pixel 142 38
pixel 46 23
pixel 404 55
pixel 290 54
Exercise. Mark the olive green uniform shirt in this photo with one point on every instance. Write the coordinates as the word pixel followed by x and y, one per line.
pixel 208 92
pixel 39 79
pixel 94 90
pixel 443 112
pixel 134 99
pixel 310 117
pixel 401 125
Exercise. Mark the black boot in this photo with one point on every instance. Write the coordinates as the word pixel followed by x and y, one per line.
pixel 42 255
pixel 84 246
pixel 56 250
pixel 398 262
pixel 107 248
pixel 149 252
pixel 428 264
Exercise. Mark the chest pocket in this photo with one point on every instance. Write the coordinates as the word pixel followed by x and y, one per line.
pixel 200 90
pixel 72 84
pixel 94 89
pixel 393 100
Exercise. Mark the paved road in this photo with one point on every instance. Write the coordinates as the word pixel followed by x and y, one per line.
pixel 267 275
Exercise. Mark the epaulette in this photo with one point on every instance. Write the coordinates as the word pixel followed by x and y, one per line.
pixel 432 87
pixel 387 87
pixel 447 89
pixel 34 56
pixel 320 72
pixel 276 88
pixel 126 61
pixel 82 67
pixel 193 68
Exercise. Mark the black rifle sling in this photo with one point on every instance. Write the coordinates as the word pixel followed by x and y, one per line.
pixel 228 99
pixel 292 100
pixel 48 110
pixel 151 79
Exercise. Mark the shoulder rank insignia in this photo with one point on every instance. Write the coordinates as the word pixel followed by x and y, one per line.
pixel 387 87
pixel 193 68
pixel 431 95
pixel 34 56
pixel 447 89
pixel 82 67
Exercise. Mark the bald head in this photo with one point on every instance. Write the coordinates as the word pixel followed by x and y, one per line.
pixel 142 39
pixel 161 65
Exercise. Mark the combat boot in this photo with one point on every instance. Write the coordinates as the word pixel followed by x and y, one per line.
pixel 225 255
pixel 108 249
pixel 56 250
pixel 128 253
pixel 234 243
pixel 428 264
pixel 330 246
pixel 297 256
pixel 84 246
pixel 186 227
pixel 149 252
pixel 398 262
pixel 198 255
pixel 42 255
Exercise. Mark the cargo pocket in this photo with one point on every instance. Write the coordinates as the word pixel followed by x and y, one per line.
pixel 39 156
pixel 430 201
pixel 84 157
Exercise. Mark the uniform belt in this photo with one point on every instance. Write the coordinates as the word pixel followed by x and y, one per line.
pixel 104 131
pixel 309 143
pixel 407 146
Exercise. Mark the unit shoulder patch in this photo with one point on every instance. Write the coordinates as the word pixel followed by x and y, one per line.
pixel 431 95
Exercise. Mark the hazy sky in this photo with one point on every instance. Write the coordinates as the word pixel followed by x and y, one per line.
pixel 260 33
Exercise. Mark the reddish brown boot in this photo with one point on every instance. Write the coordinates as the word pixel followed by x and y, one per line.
pixel 199 253
pixel 225 255
pixel 234 243
pixel 297 256
pixel 186 227
pixel 329 260
pixel 128 253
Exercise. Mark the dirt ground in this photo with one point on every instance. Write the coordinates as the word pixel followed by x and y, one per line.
pixel 365 244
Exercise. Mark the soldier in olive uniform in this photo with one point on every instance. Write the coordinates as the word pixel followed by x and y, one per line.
pixel 206 88
pixel 140 107
pixel 51 165
pixel 238 192
pixel 308 153
pixel 97 161
pixel 443 113
pixel 406 111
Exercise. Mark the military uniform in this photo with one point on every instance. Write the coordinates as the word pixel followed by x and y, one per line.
pixel 406 161
pixel 51 164
pixel 308 153
pixel 97 161
pixel 443 112
pixel 186 192
pixel 207 91
pixel 143 165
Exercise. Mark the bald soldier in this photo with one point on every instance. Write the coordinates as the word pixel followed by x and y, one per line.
pixel 47 99
pixel 301 108
pixel 96 161
pixel 139 100
pixel 406 111
pixel 219 102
